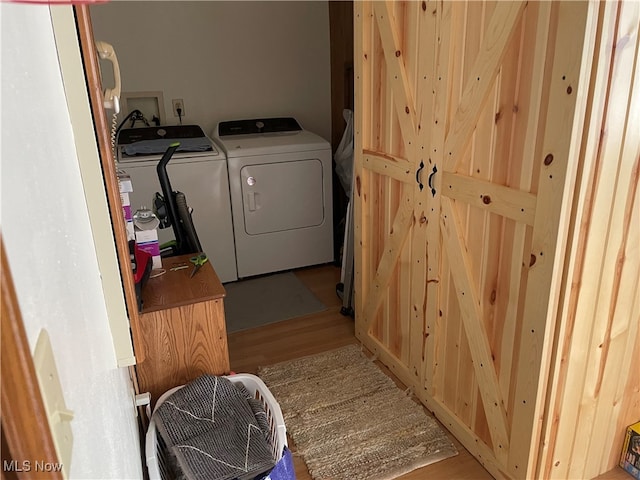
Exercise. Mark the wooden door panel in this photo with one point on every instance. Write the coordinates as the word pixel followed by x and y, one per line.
pixel 389 27
pixel 472 318
pixel 454 103
pixel 477 82
pixel 479 203
pixel 387 184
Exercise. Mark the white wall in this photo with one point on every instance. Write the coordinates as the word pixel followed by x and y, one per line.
pixel 50 248
pixel 226 60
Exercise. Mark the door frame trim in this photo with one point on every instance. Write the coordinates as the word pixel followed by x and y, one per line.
pixel 25 424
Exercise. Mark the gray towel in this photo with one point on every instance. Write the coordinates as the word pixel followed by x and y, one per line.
pixel 151 147
pixel 215 430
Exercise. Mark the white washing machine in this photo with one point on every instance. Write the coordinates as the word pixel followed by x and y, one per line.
pixel 281 198
pixel 201 174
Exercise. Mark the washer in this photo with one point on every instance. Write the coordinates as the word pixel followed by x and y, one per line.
pixel 280 183
pixel 201 175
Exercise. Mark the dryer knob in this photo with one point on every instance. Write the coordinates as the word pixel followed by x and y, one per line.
pixel 251 181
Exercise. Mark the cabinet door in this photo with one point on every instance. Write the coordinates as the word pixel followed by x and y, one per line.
pixel 464 132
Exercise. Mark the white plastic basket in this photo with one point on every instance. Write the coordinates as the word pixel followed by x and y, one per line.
pixel 155 451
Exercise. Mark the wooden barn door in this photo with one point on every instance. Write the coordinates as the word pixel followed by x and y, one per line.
pixel 464 121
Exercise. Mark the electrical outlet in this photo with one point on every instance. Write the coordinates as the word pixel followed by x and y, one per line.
pixel 178 104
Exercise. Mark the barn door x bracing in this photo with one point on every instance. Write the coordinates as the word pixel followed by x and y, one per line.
pixel 464 116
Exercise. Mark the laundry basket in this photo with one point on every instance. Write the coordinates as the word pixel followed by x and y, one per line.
pixel 155 449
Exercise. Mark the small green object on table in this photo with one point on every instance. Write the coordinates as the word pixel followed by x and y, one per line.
pixel 198 261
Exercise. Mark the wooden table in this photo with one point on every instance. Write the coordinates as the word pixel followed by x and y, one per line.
pixel 183 327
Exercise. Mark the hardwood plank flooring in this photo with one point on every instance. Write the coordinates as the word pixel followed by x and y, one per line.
pixel 325 331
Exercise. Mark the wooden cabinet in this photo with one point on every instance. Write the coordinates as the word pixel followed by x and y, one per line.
pixel 470 134
pixel 183 327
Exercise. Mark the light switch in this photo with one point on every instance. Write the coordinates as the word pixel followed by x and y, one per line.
pixel 59 415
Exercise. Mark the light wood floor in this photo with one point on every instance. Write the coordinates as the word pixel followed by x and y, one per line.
pixel 325 331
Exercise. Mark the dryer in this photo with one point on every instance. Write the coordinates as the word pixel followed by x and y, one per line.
pixel 281 194
pixel 199 170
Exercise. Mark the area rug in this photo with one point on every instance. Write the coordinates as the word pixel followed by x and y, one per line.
pixel 350 421
pixel 262 300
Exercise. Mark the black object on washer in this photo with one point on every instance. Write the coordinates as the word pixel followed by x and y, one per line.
pixel 177 210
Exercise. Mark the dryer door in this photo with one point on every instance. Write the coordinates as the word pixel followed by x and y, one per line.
pixel 282 196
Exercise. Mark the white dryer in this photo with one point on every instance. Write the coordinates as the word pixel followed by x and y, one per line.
pixel 199 170
pixel 280 183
